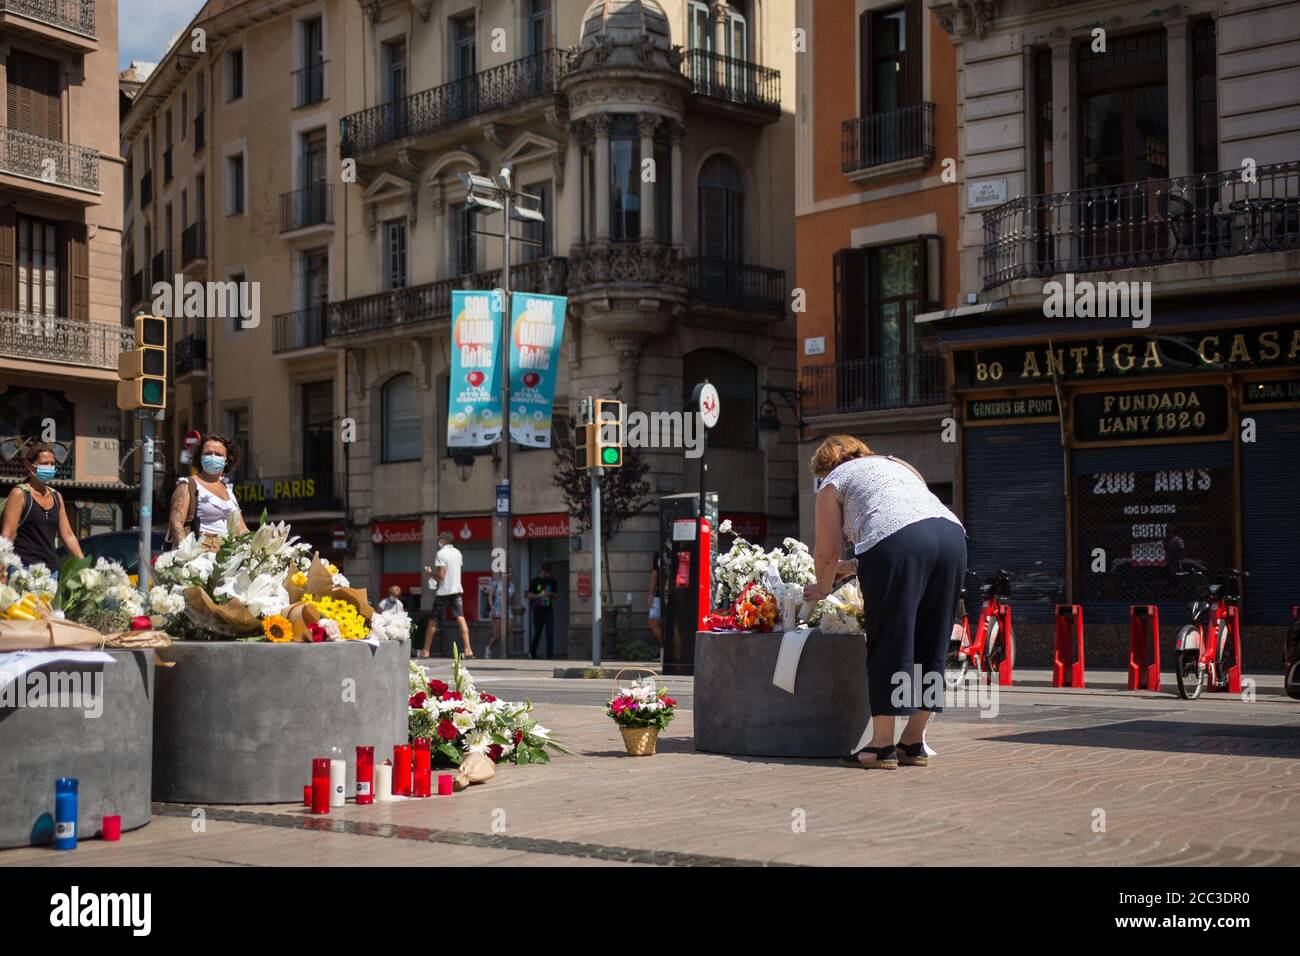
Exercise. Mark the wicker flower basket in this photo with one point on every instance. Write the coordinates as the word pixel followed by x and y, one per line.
pixel 639 741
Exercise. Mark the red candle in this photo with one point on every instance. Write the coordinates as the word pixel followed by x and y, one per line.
pixel 444 785
pixel 112 828
pixel 306 795
pixel 402 770
pixel 320 785
pixel 423 775
pixel 365 775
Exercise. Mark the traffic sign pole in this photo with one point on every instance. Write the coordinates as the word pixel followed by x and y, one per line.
pixel 148 428
pixel 597 625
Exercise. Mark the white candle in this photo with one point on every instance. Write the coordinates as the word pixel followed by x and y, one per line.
pixel 338 780
pixel 384 783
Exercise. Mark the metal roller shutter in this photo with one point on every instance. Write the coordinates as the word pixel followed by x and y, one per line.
pixel 1014 508
pixel 1147 507
pixel 1270 517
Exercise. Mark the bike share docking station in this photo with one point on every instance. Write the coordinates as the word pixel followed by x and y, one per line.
pixel 1067 660
pixel 1144 647
pixel 1233 685
pixel 999 614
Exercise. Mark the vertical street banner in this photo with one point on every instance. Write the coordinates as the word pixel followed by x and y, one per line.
pixel 536 331
pixel 474 397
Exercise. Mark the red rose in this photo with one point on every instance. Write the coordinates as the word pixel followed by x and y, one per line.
pixel 487 698
pixel 447 730
pixel 452 695
pixel 417 701
pixel 519 736
pixel 619 705
pixel 317 633
pixel 437 688
pixel 495 752
pixel 669 702
pixel 460 710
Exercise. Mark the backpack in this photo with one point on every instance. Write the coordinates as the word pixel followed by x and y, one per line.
pixel 31 501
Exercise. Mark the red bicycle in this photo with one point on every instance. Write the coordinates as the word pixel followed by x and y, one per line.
pixel 1209 649
pixel 990 648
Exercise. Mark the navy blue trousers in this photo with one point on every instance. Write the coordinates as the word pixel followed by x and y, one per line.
pixel 911 582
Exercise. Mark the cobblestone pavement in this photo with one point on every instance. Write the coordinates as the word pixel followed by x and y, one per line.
pixel 1057 778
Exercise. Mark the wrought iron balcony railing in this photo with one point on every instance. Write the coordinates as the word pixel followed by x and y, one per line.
pixel 48 160
pixel 500 87
pixel 881 138
pixel 53 338
pixel 309 84
pixel 862 385
pixel 75 16
pixel 1186 218
pixel 735 81
pixel 189 354
pixel 160 270
pixel 167 165
pixel 199 131
pixel 431 302
pixel 146 188
pixel 194 243
pixel 736 284
pixel 299 330
pixel 311 206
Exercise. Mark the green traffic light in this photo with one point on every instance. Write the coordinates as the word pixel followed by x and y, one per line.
pixel 610 456
pixel 151 391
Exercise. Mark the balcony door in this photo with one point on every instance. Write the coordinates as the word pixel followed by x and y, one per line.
pixel 1123 144
pixel 878 293
pixel 890 84
pixel 318 435
pixel 32 89
pixel 464 62
pixel 39 269
pixel 312 179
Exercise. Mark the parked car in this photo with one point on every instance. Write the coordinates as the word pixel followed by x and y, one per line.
pixel 120 546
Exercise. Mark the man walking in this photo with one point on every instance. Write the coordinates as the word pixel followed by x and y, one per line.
pixel 542 593
pixel 444 580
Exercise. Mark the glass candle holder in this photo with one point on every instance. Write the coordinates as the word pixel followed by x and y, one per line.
pixel 65 813
pixel 320 785
pixel 423 773
pixel 402 770
pixel 365 775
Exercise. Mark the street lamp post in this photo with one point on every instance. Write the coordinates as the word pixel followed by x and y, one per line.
pixel 487 195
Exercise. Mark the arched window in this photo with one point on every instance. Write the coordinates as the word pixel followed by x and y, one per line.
pixel 737 383
pixel 722 205
pixel 400 398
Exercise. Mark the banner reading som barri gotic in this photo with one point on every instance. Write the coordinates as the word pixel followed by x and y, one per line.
pixel 536 331
pixel 474 400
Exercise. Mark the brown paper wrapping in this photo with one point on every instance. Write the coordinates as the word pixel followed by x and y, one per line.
pixel 49 634
pixel 475 768
pixel 302 617
pixel 231 619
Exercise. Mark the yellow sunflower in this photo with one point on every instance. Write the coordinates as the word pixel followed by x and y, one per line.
pixel 277 629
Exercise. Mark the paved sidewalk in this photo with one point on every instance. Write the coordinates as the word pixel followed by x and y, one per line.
pixel 1058 778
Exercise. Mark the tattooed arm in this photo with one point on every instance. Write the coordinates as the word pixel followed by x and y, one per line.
pixel 179 511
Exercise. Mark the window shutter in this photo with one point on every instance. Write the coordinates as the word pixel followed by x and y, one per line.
pixel 864 64
pixel 713 222
pixel 850 304
pixel 8 260
pixel 915 54
pixel 78 253
pixel 32 95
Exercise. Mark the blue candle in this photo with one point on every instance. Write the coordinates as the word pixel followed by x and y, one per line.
pixel 65 813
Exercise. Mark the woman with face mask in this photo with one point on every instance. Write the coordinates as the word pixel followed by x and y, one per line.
pixel 34 518
pixel 204 503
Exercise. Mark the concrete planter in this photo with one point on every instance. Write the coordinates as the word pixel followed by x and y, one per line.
pixel 738 710
pixel 240 723
pixel 108 754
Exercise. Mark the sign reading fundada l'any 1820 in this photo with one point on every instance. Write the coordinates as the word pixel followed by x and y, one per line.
pixel 1141 415
pixel 1258 346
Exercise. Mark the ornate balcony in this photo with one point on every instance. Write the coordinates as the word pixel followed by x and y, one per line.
pixel 1186 218
pixel 734 82
pixel 736 284
pixel 627 263
pixel 194 243
pixel 884 138
pixel 59 340
pixel 189 355
pixel 500 88
pixel 75 16
pixel 303 208
pixel 402 311
pixel 303 329
pixel 49 160
pixel 869 384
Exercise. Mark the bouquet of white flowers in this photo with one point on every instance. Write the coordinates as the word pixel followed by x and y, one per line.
pixel 99 595
pixel 745 563
pixel 841 611
pixel 391 625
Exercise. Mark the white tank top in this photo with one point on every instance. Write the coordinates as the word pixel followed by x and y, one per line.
pixel 214 511
pixel 880 495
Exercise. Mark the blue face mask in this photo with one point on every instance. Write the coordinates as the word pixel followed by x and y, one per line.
pixel 46 472
pixel 214 464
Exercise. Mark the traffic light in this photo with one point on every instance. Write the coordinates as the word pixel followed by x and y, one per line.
pixel 584 446
pixel 610 424
pixel 144 370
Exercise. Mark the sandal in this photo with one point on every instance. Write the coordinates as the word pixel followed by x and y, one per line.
pixel 886 759
pixel 913 755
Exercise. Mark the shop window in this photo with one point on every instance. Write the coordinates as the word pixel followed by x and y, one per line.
pixel 401 417
pixel 737 383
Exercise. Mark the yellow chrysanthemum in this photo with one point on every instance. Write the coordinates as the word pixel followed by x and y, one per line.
pixel 299 579
pixel 332 568
pixel 277 629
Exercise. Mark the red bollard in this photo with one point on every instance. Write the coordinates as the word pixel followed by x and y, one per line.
pixel 1143 647
pixel 1067 661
